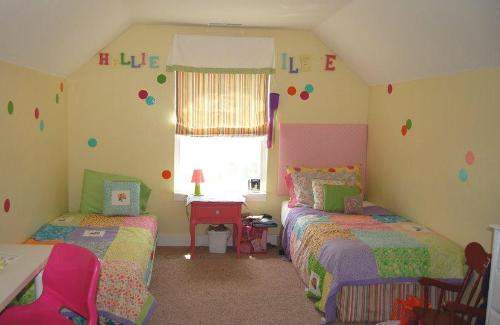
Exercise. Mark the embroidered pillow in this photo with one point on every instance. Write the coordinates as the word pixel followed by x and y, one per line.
pixel 353 204
pixel 121 198
pixel 318 193
pixel 291 170
pixel 335 194
pixel 303 184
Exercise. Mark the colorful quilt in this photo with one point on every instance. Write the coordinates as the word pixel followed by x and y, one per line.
pixel 331 251
pixel 125 247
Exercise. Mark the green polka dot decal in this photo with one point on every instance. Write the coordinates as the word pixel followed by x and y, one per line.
pixel 409 124
pixel 10 107
pixel 161 78
pixel 42 125
pixel 92 142
pixel 57 98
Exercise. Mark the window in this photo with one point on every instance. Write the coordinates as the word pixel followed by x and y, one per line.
pixel 221 128
pixel 227 163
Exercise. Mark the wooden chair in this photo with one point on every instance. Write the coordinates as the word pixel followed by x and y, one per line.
pixel 467 304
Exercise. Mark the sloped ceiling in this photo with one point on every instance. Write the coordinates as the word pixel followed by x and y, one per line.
pixel 383 40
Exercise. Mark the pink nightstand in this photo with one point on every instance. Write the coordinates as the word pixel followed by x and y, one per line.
pixel 205 210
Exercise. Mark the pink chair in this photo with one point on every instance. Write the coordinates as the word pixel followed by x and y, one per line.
pixel 69 281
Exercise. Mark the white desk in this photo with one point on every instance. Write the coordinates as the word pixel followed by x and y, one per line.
pixel 31 259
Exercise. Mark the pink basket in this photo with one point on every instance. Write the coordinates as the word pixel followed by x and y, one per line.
pixel 253 240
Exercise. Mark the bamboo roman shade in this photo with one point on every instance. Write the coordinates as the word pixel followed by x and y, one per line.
pixel 222 84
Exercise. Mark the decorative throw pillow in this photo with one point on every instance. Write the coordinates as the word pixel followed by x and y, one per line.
pixel 291 170
pixel 93 187
pixel 335 194
pixel 121 198
pixel 318 192
pixel 353 204
pixel 303 184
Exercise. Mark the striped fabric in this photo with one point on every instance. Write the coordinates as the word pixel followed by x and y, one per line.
pixel 219 104
pixel 373 303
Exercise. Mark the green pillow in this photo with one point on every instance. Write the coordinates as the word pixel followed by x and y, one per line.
pixel 92 200
pixel 335 194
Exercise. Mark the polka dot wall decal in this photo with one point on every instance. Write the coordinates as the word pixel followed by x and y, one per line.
pixel 92 142
pixel 42 125
pixel 291 90
pixel 161 78
pixel 304 95
pixel 150 100
pixel 57 98
pixel 166 174
pixel 61 86
pixel 463 175
pixel 309 88
pixel 389 89
pixel 6 205
pixel 469 157
pixel 10 107
pixel 37 113
pixel 409 124
pixel 142 94
pixel 404 130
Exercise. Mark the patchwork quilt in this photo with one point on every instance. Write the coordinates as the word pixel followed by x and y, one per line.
pixel 331 251
pixel 125 247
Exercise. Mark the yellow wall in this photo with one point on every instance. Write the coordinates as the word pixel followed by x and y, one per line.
pixel 138 140
pixel 417 175
pixel 33 163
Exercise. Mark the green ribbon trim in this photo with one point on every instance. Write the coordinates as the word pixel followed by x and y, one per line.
pixel 221 70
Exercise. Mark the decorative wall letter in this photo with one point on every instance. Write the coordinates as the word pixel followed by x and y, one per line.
pixel 329 62
pixel 153 62
pixel 103 58
pixel 291 67
pixel 122 59
pixel 132 64
pixel 305 64
pixel 283 60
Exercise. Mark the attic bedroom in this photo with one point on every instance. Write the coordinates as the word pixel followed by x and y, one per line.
pixel 261 162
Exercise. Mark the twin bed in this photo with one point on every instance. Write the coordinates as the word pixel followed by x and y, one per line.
pixel 355 265
pixel 125 246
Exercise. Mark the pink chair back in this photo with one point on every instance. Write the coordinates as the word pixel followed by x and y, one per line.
pixel 72 273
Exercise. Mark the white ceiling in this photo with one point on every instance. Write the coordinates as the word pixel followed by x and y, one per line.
pixel 382 40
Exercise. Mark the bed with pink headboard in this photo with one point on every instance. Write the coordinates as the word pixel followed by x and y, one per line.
pixel 355 265
pixel 321 145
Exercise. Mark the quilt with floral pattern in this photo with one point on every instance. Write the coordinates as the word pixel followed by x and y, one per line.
pixel 334 250
pixel 125 247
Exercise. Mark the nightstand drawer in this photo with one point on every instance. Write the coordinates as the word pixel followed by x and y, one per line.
pixel 211 211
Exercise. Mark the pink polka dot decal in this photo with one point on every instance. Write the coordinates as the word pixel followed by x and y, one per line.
pixel 166 174
pixel 291 90
pixel 304 95
pixel 143 94
pixel 389 89
pixel 37 113
pixel 469 157
pixel 6 205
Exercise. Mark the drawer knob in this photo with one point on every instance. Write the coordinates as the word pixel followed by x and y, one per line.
pixel 217 212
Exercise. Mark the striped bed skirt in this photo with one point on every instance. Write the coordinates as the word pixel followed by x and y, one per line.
pixel 373 303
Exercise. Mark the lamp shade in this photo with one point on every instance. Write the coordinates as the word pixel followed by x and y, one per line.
pixel 197 176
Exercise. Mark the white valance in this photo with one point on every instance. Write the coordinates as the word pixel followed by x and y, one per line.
pixel 221 54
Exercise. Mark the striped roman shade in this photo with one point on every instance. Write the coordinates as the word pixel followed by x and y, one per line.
pixel 221 104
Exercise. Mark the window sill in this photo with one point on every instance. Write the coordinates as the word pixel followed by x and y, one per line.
pixel 258 197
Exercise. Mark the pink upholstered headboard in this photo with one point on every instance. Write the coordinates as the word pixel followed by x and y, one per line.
pixel 321 145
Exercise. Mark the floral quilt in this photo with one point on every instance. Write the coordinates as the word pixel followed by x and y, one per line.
pixel 334 250
pixel 125 247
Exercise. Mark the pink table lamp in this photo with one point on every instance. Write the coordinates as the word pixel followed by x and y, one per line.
pixel 197 179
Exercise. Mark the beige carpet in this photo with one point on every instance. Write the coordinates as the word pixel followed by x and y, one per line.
pixel 222 289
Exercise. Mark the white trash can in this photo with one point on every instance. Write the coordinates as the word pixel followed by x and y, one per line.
pixel 217 239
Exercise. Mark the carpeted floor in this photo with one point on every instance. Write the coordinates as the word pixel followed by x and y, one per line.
pixel 222 289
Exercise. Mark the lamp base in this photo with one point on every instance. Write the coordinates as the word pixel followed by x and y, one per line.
pixel 197 189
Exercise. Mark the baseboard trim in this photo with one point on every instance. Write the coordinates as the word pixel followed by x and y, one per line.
pixel 201 240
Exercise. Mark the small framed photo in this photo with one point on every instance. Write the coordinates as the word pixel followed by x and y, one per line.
pixel 254 185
